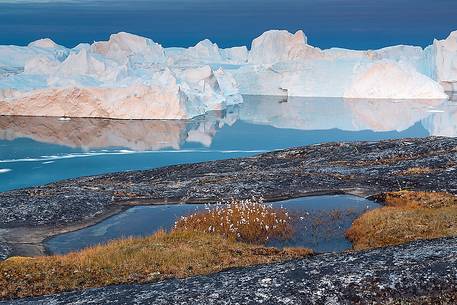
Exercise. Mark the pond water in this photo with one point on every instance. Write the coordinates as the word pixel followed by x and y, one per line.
pixel 36 150
pixel 319 223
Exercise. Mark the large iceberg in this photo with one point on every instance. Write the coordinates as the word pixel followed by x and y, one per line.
pixel 127 77
pixel 133 77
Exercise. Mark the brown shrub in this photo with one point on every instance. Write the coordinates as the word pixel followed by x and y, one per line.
pixel 157 257
pixel 246 220
pixel 407 216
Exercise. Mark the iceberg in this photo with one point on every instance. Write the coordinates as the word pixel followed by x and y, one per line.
pixel 387 79
pixel 133 77
pixel 444 65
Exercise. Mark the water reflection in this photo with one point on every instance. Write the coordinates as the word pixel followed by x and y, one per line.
pixel 319 223
pixel 37 150
pixel 344 114
pixel 138 135
pixel 437 117
pixel 443 122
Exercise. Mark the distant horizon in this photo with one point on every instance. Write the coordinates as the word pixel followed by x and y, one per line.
pixel 353 24
pixel 247 45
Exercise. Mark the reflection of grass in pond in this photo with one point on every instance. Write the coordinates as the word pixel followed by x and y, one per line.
pixel 320 226
pixel 244 220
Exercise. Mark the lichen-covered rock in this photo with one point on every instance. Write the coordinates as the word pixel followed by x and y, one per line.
pixel 422 272
pixel 361 168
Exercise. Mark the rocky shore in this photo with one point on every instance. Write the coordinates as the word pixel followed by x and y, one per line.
pixel 422 272
pixel 27 216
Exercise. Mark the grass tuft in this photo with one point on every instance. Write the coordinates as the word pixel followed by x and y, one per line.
pixel 416 171
pixel 406 216
pixel 133 260
pixel 249 221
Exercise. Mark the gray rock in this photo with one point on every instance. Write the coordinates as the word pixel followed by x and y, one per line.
pixel 423 272
pixel 5 250
pixel 362 168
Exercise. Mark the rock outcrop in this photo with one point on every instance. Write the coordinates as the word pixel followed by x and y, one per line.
pixel 422 272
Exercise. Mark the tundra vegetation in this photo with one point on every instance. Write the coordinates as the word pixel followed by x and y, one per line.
pixel 406 216
pixel 249 220
pixel 222 237
pixel 202 243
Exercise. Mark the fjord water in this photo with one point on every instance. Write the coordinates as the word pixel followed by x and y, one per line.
pixel 319 223
pixel 39 150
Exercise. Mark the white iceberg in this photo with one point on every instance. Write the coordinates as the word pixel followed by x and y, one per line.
pixel 281 63
pixel 443 54
pixel 133 77
pixel 126 77
pixel 389 80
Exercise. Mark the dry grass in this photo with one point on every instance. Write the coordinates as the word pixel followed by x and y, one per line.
pixel 407 216
pixel 246 220
pixel 160 256
pixel 416 171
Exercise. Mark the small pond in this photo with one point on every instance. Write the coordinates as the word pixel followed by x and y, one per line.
pixel 319 223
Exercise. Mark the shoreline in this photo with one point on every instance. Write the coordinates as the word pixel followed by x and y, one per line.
pixel 377 276
pixel 31 241
pixel 32 215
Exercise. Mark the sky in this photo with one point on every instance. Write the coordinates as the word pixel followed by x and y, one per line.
pixel 357 24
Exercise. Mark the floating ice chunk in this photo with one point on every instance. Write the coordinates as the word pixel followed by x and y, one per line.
pixel 227 82
pixel 41 65
pixel 387 79
pixel 123 45
pixel 205 50
pixel 44 43
pixel 444 53
pixel 87 63
pixel 14 56
pixel 276 46
pixel 236 55
pixel 81 46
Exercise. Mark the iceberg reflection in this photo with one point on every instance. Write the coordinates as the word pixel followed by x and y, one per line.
pixel 438 117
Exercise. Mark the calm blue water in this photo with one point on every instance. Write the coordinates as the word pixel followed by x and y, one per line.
pixel 145 220
pixel 359 24
pixel 35 151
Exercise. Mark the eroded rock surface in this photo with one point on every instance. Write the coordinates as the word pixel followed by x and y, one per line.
pixel 363 168
pixel 5 250
pixel 423 272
